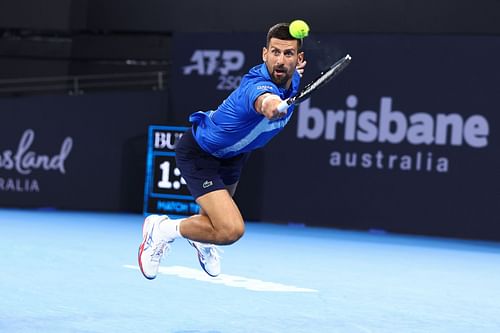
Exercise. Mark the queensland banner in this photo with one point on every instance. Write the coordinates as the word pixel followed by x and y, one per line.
pixel 76 152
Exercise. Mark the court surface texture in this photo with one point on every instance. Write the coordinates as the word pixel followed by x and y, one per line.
pixel 77 272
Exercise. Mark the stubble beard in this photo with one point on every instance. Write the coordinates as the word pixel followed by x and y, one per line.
pixel 280 80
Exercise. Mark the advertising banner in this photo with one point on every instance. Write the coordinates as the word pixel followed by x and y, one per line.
pixel 404 140
pixel 83 152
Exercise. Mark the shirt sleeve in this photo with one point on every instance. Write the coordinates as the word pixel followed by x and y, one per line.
pixel 255 89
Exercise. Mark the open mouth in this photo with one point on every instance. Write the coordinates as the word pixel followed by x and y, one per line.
pixel 279 72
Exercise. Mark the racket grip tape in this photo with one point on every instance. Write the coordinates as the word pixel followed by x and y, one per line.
pixel 283 105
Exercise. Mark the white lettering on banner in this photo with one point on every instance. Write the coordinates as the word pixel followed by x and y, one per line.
pixel 419 161
pixel 221 62
pixel 166 139
pixel 24 161
pixel 208 62
pixel 391 126
pixel 19 185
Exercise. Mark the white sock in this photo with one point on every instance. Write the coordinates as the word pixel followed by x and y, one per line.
pixel 171 228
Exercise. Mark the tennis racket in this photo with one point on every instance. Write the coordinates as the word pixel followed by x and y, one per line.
pixel 320 81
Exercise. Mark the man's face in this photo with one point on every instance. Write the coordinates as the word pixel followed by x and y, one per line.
pixel 281 58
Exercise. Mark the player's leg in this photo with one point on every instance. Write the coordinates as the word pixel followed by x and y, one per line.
pixel 230 188
pixel 219 222
pixel 212 181
pixel 208 253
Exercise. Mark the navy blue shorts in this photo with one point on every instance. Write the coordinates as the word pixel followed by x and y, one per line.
pixel 203 172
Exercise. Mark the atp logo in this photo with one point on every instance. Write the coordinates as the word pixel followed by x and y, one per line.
pixel 217 62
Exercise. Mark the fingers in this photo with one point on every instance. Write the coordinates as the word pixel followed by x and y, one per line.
pixel 300 67
pixel 277 115
pixel 301 64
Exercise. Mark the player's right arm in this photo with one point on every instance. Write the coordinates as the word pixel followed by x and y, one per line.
pixel 267 105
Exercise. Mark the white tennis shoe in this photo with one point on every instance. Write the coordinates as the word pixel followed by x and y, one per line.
pixel 153 247
pixel 208 256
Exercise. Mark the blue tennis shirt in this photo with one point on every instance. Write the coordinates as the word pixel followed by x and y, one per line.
pixel 236 127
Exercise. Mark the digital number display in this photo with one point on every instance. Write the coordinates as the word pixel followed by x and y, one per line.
pixel 165 189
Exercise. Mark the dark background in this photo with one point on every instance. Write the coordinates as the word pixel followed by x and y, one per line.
pixel 107 166
pixel 61 37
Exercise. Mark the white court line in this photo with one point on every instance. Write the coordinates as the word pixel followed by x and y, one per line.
pixel 227 280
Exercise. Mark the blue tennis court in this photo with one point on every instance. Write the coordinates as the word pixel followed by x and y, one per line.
pixel 77 272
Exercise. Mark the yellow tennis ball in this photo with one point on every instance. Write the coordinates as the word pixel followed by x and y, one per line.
pixel 299 29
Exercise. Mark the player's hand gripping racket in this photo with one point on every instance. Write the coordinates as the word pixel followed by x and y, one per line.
pixel 320 81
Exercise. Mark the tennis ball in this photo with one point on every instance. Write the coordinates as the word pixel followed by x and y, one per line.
pixel 299 29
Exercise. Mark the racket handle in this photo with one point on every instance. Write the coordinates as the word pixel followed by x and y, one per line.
pixel 283 105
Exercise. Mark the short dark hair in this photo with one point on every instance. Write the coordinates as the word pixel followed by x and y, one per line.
pixel 282 31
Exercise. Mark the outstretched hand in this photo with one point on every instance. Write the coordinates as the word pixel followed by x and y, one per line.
pixel 300 67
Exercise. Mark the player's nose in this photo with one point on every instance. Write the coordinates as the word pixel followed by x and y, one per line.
pixel 280 59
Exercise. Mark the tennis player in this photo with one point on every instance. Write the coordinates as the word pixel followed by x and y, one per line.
pixel 211 154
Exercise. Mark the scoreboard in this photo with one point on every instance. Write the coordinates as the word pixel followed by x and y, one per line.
pixel 165 191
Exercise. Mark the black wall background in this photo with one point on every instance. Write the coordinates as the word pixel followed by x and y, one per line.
pixel 440 16
pixel 68 37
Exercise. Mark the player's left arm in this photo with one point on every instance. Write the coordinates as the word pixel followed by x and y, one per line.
pixel 301 64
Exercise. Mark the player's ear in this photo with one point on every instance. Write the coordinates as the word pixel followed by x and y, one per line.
pixel 264 54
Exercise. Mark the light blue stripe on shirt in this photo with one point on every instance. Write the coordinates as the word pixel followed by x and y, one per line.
pixel 265 125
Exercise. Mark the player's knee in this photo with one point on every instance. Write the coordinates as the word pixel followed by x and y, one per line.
pixel 231 234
